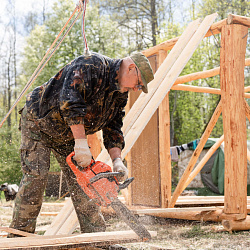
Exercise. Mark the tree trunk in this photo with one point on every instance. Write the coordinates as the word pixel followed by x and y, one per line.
pixel 154 22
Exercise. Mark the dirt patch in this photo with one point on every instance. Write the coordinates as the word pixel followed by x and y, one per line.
pixel 171 233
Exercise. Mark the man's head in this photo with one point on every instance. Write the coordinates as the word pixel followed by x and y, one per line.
pixel 135 73
pixel 144 66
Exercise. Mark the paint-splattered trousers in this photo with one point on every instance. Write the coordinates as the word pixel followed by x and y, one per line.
pixel 35 159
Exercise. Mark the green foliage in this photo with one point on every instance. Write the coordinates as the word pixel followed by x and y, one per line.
pixel 10 170
pixel 101 33
pixel 115 29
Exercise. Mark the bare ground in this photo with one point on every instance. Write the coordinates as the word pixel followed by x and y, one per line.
pixel 171 233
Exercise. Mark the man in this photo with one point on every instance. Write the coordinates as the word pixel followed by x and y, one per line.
pixel 87 95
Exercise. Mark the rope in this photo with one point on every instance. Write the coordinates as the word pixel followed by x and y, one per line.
pixel 83 28
pixel 42 63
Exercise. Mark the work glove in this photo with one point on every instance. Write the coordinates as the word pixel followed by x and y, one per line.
pixel 83 155
pixel 118 166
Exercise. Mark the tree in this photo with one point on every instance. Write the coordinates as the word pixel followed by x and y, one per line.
pixel 138 20
pixel 101 36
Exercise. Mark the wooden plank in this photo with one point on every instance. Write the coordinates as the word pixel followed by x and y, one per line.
pixel 192 213
pixel 202 200
pixel 167 83
pixel 86 239
pixel 203 214
pixel 48 213
pixel 232 61
pixel 60 218
pixel 144 155
pixel 160 74
pixel 51 204
pixel 164 145
pixel 196 154
pixel 172 210
pixel 69 225
pixel 164 68
pixel 169 44
pixel 16 231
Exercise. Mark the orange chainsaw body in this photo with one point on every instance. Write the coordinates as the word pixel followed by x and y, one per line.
pixel 103 190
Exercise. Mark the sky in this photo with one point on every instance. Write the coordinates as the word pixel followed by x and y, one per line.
pixel 22 8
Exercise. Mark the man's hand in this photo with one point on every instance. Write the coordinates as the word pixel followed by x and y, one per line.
pixel 83 155
pixel 118 166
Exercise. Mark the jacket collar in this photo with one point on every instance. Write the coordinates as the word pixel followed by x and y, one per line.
pixel 114 74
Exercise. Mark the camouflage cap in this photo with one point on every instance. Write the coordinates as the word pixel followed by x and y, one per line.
pixel 144 66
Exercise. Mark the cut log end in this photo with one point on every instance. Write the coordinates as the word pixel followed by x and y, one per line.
pixel 241 225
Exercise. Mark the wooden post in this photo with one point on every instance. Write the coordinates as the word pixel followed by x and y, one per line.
pixel 232 61
pixel 164 144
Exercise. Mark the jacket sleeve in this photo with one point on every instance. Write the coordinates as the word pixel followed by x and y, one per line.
pixel 76 88
pixel 112 133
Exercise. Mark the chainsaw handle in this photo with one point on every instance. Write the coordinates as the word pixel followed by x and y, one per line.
pixel 105 175
pixel 72 165
pixel 125 183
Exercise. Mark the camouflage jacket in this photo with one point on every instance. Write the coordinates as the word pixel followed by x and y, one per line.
pixel 85 91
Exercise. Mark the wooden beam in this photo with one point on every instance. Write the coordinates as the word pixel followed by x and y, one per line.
pixel 162 71
pixel 214 29
pixel 60 219
pixel 48 213
pixel 205 74
pixel 54 242
pixel 232 61
pixel 192 213
pixel 69 224
pixel 247 110
pixel 16 231
pixel 167 83
pixel 235 19
pixel 197 75
pixel 159 76
pixel 197 151
pixel 164 145
pixel 202 200
pixel 169 44
pixel 185 87
pixel 232 225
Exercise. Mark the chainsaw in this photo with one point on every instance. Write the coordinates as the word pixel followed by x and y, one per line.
pixel 101 185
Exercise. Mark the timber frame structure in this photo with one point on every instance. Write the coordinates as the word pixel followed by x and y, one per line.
pixel 233 106
pixel 233 207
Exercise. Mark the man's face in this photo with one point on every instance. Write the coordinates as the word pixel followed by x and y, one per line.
pixel 132 81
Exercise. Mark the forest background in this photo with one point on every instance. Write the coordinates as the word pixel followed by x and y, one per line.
pixel 114 28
